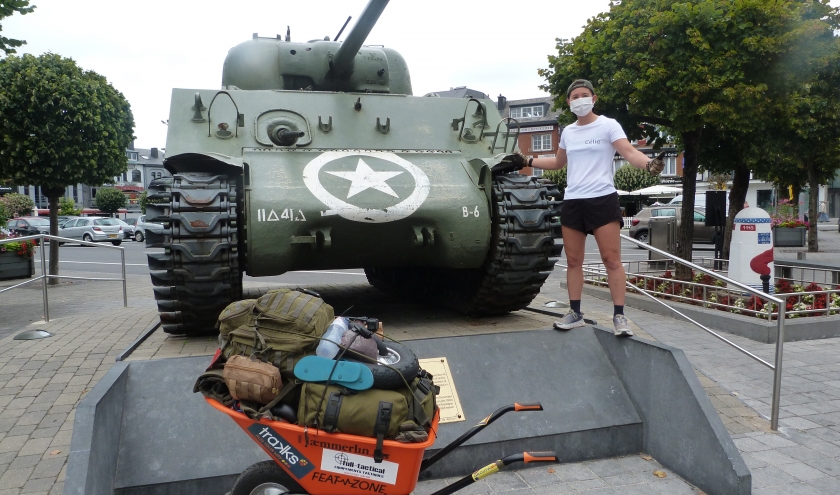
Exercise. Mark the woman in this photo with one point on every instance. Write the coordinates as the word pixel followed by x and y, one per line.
pixel 590 205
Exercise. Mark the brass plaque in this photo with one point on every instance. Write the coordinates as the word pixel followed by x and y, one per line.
pixel 447 400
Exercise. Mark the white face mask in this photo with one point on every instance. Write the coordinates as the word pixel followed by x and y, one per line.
pixel 581 106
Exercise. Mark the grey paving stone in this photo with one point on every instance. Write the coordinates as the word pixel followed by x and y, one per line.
pixel 802 471
pixel 506 481
pixel 13 444
pixel 25 461
pixel 773 457
pixel 538 477
pixel 48 468
pixel 38 485
pixel 828 465
pixel 574 472
pixel 15 478
pixel 770 476
pixel 606 467
pixel 583 485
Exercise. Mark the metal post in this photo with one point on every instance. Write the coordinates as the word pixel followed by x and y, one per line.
pixel 125 291
pixel 45 280
pixel 777 372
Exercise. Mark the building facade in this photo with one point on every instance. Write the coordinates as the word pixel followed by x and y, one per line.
pixel 536 120
pixel 144 165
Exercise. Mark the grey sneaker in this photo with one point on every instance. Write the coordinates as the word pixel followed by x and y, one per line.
pixel 570 321
pixel 622 326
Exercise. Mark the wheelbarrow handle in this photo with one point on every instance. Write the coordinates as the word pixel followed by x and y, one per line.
pixel 498 413
pixel 495 467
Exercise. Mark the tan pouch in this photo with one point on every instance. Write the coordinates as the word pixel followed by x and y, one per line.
pixel 251 380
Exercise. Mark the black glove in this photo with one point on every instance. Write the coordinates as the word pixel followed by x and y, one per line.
pixel 657 165
pixel 512 163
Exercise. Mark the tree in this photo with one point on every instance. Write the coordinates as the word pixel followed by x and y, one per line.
pixel 17 205
pixel 60 125
pixel 629 178
pixel 4 215
pixel 7 8
pixel 110 200
pixel 686 66
pixel 66 206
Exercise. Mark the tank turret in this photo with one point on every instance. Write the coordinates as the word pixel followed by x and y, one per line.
pixel 319 65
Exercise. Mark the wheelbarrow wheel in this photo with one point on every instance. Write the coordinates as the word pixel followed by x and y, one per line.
pixel 265 478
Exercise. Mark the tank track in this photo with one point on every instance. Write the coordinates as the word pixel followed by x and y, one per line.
pixel 521 257
pixel 198 273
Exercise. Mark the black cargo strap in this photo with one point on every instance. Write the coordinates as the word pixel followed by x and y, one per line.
pixel 424 387
pixel 332 411
pixel 380 429
pixel 288 387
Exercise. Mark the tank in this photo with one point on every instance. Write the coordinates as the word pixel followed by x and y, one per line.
pixel 316 156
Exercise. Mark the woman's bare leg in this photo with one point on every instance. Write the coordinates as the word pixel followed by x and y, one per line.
pixel 574 245
pixel 609 244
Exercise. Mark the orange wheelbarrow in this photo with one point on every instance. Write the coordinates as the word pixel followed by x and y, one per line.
pixel 314 462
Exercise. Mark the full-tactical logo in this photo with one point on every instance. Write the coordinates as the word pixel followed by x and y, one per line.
pixel 364 178
pixel 281 450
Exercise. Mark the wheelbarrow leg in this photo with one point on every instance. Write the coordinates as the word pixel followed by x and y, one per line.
pixel 536 406
pixel 495 468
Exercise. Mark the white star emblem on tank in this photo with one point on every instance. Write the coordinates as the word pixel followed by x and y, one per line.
pixel 364 178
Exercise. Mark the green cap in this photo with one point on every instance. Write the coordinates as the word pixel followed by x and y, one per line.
pixel 579 83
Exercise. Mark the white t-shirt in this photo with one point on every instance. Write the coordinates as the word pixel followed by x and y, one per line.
pixel 590 155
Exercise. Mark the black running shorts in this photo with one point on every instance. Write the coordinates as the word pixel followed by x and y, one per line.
pixel 587 214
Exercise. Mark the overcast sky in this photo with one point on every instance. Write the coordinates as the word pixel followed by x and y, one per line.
pixel 146 48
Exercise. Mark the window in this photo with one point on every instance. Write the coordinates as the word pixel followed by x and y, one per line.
pixel 135 176
pixel 132 155
pixel 541 142
pixel 764 198
pixel 664 212
pixel 699 217
pixel 526 112
pixel 12 224
pixel 537 172
pixel 670 166
pixel 106 221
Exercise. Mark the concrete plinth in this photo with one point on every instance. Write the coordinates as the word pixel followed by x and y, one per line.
pixel 603 397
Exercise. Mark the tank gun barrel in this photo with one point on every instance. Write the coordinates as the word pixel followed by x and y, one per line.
pixel 342 63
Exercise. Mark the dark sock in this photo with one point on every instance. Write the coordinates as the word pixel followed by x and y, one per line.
pixel 618 310
pixel 575 305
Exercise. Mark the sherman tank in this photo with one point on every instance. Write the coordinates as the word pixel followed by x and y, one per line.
pixel 316 156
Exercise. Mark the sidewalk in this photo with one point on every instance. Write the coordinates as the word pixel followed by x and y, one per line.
pixel 42 381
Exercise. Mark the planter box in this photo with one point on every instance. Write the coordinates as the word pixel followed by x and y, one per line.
pixel 13 266
pixel 789 236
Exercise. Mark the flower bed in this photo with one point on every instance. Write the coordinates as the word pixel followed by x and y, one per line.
pixel 16 258
pixel 704 290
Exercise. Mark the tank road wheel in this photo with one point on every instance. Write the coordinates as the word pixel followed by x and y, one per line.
pixel 198 273
pixel 265 478
pixel 521 257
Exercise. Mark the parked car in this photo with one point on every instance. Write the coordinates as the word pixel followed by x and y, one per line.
pixel 93 229
pixel 128 229
pixel 22 226
pixel 141 226
pixel 62 219
pixel 639 223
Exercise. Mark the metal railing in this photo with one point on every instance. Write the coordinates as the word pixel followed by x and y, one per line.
pixel 713 296
pixel 45 276
pixel 780 325
pixel 787 268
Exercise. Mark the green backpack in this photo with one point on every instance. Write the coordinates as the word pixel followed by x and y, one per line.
pixel 373 412
pixel 280 327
